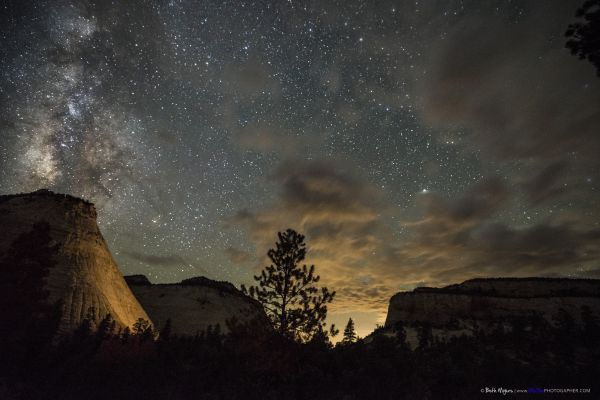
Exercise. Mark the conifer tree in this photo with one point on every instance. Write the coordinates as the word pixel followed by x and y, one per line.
pixel 288 292
pixel 400 331
pixel 29 321
pixel 165 332
pixel 425 336
pixel 105 327
pixel 143 329
pixel 349 333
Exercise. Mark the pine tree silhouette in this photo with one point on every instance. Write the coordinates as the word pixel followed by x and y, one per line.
pixel 29 322
pixel 288 291
pixel 349 333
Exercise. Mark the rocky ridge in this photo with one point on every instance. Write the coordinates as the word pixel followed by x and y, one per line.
pixel 82 276
pixel 195 304
pixel 491 303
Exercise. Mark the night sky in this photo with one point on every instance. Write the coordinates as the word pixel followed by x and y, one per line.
pixel 413 142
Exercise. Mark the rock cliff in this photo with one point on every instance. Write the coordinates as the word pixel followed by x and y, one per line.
pixel 194 304
pixel 52 241
pixel 485 303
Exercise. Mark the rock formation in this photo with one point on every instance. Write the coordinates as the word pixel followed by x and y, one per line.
pixel 489 303
pixel 194 304
pixel 52 252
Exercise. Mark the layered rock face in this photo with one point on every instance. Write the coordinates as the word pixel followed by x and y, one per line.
pixel 194 304
pixel 487 302
pixel 79 271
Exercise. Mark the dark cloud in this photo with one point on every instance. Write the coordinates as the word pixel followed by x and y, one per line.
pixel 543 246
pixel 237 256
pixel 515 88
pixel 157 260
pixel 473 242
pixel 546 184
pixel 481 201
pixel 251 78
pixel 270 138
pixel 496 249
pixel 321 187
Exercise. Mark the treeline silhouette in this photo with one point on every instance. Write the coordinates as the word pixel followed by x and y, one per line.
pixel 253 363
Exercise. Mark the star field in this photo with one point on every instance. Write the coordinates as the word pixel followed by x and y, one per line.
pixel 413 142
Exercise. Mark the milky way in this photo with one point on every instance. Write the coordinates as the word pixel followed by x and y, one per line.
pixel 413 142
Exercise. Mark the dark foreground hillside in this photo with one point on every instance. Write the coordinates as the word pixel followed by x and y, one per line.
pixel 244 365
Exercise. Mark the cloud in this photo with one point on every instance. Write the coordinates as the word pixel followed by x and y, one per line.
pixel 250 78
pixel 244 84
pixel 156 260
pixel 163 261
pixel 495 249
pixel 463 238
pixel 451 240
pixel 523 101
pixel 265 137
pixel 546 183
pixel 341 216
pixel 515 88
pixel 237 256
pixel 481 201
